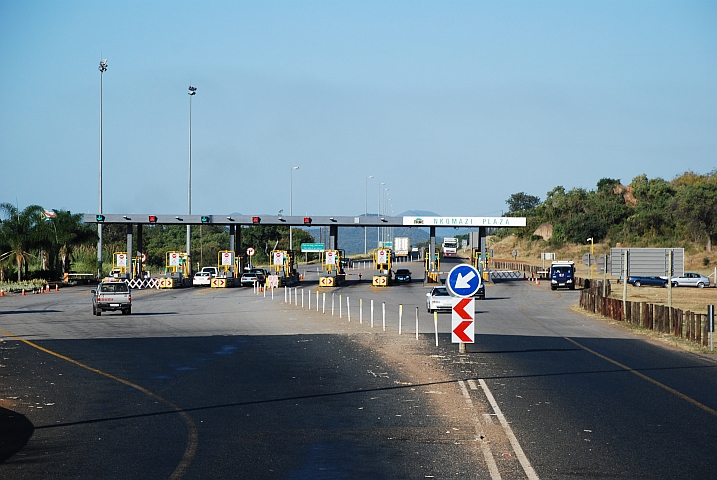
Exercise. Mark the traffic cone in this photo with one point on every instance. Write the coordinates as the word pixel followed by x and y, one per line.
pixel 2 292
pixel 23 292
pixel 57 289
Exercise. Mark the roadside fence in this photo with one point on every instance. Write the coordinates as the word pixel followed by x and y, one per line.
pixel 682 324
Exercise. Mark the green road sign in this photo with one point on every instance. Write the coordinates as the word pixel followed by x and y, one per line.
pixel 312 247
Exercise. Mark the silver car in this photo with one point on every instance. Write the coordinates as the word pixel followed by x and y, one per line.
pixel 691 279
pixel 438 299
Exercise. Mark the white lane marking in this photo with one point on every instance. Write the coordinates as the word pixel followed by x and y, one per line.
pixel 524 462
pixel 485 447
pixel 472 384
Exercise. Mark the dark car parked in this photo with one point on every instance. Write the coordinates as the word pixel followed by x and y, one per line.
pixel 647 281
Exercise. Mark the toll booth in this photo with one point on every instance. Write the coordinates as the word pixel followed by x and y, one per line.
pixel 382 263
pixel 120 265
pixel 176 271
pixel 225 266
pixel 282 267
pixel 433 268
pixel 482 262
pixel 332 271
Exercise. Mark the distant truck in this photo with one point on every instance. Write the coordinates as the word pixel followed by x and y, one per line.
pixel 450 247
pixel 562 275
pixel 402 246
pixel 112 296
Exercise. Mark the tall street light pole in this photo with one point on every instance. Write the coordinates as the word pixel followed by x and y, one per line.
pixel 365 238
pixel 385 213
pixel 378 229
pixel 291 205
pixel 103 69
pixel 191 93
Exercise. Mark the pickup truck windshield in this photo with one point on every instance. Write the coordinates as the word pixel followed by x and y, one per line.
pixel 562 270
pixel 114 288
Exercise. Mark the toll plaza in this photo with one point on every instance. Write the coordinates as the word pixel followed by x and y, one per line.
pixel 432 267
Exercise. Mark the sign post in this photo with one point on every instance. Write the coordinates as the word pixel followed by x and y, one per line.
pixel 463 282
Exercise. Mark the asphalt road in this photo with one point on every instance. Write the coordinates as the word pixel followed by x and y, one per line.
pixel 202 383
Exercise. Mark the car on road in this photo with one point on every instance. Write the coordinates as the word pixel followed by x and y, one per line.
pixel 402 275
pixel 212 271
pixel 248 279
pixel 202 279
pixel 438 299
pixel 691 279
pixel 112 296
pixel 647 281
pixel 480 294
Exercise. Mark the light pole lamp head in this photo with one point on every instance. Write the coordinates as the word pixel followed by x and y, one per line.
pixel 103 66
pixel 192 90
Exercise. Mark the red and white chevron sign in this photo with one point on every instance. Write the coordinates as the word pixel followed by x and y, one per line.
pixel 463 320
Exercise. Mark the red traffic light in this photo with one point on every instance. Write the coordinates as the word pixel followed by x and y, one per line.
pixel 153 219
pixel 307 220
pixel 255 219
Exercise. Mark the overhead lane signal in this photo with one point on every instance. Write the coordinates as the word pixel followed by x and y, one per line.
pixel 205 219
pixel 255 220
pixel 153 219
pixel 100 218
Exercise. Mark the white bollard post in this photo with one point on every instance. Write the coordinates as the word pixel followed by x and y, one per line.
pixel 341 306
pixel 348 308
pixel 400 317
pixel 285 289
pixel 302 298
pixel 317 301
pixel 435 325
pixel 383 315
pixel 371 313
pixel 332 303
pixel 416 323
pixel 323 305
pixel 264 291
pixel 361 311
pixel 309 295
pixel 272 293
pixel 296 296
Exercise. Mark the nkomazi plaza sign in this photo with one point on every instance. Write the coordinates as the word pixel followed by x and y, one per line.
pixel 465 221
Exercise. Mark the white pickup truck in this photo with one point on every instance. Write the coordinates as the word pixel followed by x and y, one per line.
pixel 112 296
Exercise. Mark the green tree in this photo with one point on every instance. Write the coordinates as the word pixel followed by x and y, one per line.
pixel 20 233
pixel 697 205
pixel 521 202
pixel 65 233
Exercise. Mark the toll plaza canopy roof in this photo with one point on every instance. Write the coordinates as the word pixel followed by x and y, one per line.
pixel 318 221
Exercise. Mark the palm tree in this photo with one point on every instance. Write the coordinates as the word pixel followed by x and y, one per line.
pixel 19 231
pixel 67 232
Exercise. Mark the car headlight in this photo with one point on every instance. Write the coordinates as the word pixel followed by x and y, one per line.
pixel 553 281
pixel 569 281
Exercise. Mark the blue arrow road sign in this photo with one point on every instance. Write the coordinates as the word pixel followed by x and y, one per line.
pixel 463 281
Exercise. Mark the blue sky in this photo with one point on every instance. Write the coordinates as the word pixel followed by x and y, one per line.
pixel 454 105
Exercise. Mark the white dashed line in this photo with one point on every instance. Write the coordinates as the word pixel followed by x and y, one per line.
pixel 524 462
pixel 485 447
